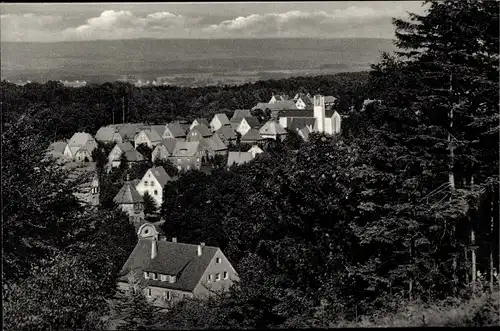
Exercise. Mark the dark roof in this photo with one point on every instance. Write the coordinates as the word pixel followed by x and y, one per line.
pixel 297 113
pixel 186 148
pixel 227 132
pixel 128 194
pixel 238 158
pixel 287 104
pixel 252 135
pixel 222 118
pixel 176 129
pixel 272 127
pixel 253 122
pixel 216 144
pixel 134 156
pixel 202 121
pixel 240 113
pixel 161 175
pixel 203 130
pixel 177 259
pixel 126 146
pixel 169 143
pixel 300 122
pixel 158 129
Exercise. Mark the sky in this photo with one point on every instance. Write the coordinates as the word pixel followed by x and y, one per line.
pixel 52 22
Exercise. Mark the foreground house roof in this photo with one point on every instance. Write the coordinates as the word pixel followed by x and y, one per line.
pixel 239 158
pixel 128 194
pixel 252 135
pixel 172 258
pixel 161 175
pixel 227 132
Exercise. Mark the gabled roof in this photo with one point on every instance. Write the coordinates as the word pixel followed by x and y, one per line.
pixel 297 113
pixel 222 118
pixel 152 135
pixel 330 98
pixel 205 145
pixel 255 149
pixel 80 139
pixel 106 134
pixel 129 130
pixel 252 135
pixel 57 147
pixel 128 194
pixel 238 158
pixel 304 132
pixel 185 148
pixel 133 156
pixel 169 144
pixel 158 129
pixel 176 259
pixel 272 127
pixel 227 132
pixel 202 121
pixel 216 143
pixel 252 121
pixel 126 146
pixel 176 129
pixel 161 175
pixel 240 113
pixel 283 105
pixel 203 130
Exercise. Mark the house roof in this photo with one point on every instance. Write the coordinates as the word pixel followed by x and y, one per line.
pixel 239 158
pixel 128 194
pixel 297 123
pixel 305 133
pixel 158 129
pixel 283 105
pixel 222 118
pixel 252 121
pixel 169 143
pixel 161 175
pixel 106 133
pixel 240 113
pixel 330 98
pixel 255 149
pixel 186 148
pixel 129 130
pixel 203 130
pixel 57 147
pixel 305 113
pixel 252 135
pixel 135 181
pixel 227 132
pixel 80 139
pixel 177 259
pixel 133 156
pixel 202 121
pixel 152 135
pixel 126 146
pixel 216 143
pixel 272 127
pixel 176 129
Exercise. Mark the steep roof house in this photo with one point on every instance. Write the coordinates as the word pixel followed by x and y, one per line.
pixel 158 128
pixel 238 158
pixel 303 101
pixel 255 150
pixel 130 153
pixel 247 123
pixel 108 134
pixel 219 121
pixel 149 137
pixel 170 271
pixel 199 121
pixel 174 130
pixel 272 130
pixel 252 137
pixel 278 98
pixel 187 155
pixel 153 182
pixel 83 141
pixel 216 145
pixel 198 132
pixel 227 135
pixel 131 202
pixel 128 131
pixel 164 149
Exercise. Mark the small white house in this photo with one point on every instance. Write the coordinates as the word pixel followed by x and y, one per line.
pixel 153 182
pixel 248 123
pixel 255 150
pixel 149 137
pixel 218 121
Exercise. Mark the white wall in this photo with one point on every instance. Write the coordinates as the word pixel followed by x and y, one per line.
pixel 283 121
pixel 243 128
pixel 152 185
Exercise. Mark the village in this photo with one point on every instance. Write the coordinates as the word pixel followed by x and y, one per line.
pixel 170 270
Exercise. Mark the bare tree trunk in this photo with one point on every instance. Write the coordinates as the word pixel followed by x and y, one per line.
pixel 451 178
pixel 473 251
pixel 492 220
pixel 411 278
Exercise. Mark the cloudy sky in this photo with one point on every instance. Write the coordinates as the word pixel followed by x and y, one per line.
pixel 73 22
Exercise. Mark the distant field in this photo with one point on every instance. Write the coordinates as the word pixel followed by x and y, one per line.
pixel 187 62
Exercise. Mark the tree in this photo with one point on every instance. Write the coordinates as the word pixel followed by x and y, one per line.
pixel 293 141
pixel 145 151
pixel 124 164
pixel 169 167
pixel 149 204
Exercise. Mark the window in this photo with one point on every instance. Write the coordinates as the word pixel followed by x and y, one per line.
pixel 148 292
pixel 146 275
pixel 217 277
pixel 146 231
pixel 154 276
pixel 167 295
pixel 188 167
pixel 156 192
pixel 149 175
pixel 198 160
pixel 172 279
pixel 209 278
pixel 217 260
pixel 225 275
pixel 163 278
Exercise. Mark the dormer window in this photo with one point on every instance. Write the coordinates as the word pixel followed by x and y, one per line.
pixel 167 296
pixel 154 276
pixel 148 292
pixel 217 260
pixel 172 279
pixel 217 277
pixel 209 278
pixel 163 278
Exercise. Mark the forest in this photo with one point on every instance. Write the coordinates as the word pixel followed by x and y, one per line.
pixel 385 224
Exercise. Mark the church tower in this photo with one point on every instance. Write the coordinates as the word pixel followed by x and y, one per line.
pixel 319 112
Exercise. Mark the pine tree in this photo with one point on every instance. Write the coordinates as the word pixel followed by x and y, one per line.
pixel 149 204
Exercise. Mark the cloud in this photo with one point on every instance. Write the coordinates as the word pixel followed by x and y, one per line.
pixel 353 21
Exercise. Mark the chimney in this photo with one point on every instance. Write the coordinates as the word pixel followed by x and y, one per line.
pixel 154 248
pixel 174 239
pixel 200 250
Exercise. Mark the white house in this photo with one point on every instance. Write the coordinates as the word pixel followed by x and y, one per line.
pixel 199 121
pixel 149 137
pixel 255 150
pixel 247 123
pixel 130 153
pixel 218 121
pixel 153 182
pixel 80 141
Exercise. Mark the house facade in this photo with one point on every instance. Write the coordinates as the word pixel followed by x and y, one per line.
pixel 248 123
pixel 273 130
pixel 148 137
pixel 130 202
pixel 255 150
pixel 174 130
pixel 218 121
pixel 130 153
pixel 198 132
pixel 164 149
pixel 80 147
pixel 153 182
pixel 170 271
pixel 187 155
